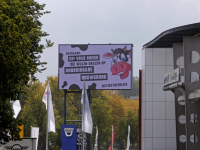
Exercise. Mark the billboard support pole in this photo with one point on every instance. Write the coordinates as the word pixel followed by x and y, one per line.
pixel 65 106
pixel 74 104
pixel 65 121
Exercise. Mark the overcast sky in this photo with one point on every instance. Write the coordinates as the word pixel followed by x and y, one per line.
pixel 111 21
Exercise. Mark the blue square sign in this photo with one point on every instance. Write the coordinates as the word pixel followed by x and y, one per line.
pixel 69 137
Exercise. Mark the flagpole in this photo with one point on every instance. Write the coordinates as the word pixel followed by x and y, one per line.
pixel 87 124
pixel 96 139
pixel 47 113
pixel 83 148
pixel 83 141
pixel 112 138
pixel 128 138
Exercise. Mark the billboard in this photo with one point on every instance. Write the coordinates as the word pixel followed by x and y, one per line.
pixel 104 66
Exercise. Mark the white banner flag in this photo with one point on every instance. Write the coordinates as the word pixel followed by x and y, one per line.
pixel 128 139
pixel 51 118
pixel 35 134
pixel 96 139
pixel 87 124
pixel 16 107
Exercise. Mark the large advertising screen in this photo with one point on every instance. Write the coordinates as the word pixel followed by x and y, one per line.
pixel 103 66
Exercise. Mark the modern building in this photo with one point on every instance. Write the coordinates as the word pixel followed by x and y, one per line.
pixel 169 119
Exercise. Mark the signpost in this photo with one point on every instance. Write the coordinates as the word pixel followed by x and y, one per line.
pixel 69 137
pixel 172 80
pixel 172 76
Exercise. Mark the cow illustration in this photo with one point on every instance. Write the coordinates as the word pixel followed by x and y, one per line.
pixel 121 61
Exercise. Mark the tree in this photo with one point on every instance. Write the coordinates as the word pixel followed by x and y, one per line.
pixel 55 138
pixel 134 91
pixel 122 132
pixel 57 94
pixel 20 34
pixel 115 102
pixel 124 112
pixel 34 113
pixel 130 105
pixel 8 124
pixel 107 107
pixel 101 115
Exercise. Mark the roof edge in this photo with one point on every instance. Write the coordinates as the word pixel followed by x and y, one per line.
pixel 169 31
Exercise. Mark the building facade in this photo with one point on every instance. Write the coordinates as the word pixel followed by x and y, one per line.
pixel 158 107
pixel 170 112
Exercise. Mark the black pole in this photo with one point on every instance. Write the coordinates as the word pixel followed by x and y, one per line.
pixel 74 103
pixel 65 106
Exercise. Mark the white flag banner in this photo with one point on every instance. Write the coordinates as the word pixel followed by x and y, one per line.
pixel 51 118
pixel 16 107
pixel 87 124
pixel 128 139
pixel 96 139
pixel 35 134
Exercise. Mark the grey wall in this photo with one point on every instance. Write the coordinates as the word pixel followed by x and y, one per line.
pixel 158 107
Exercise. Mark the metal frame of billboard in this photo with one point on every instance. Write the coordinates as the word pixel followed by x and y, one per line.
pixel 87 45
